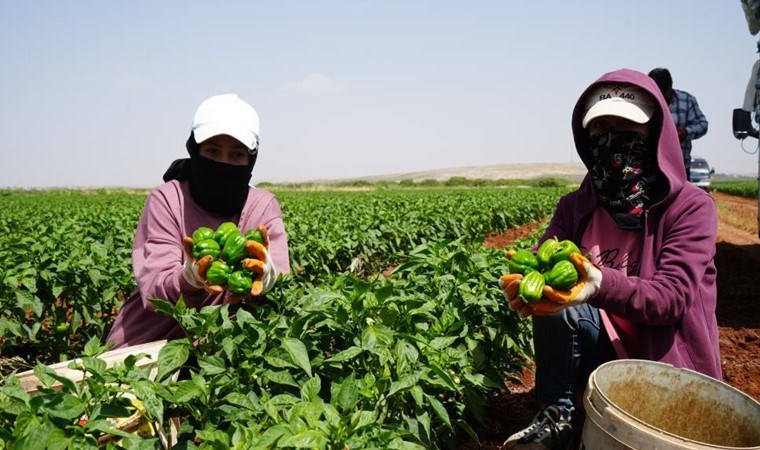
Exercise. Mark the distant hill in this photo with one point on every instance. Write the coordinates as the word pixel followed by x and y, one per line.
pixel 573 171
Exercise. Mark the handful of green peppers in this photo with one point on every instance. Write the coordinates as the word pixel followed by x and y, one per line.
pixel 550 266
pixel 227 246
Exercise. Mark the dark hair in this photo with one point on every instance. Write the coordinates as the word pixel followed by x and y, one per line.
pixel 662 77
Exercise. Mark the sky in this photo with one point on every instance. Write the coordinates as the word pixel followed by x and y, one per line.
pixel 103 93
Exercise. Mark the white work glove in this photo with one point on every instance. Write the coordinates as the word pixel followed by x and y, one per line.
pixel 260 263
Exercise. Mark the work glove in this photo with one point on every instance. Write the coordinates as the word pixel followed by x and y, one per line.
pixel 195 271
pixel 589 281
pixel 510 286
pixel 260 263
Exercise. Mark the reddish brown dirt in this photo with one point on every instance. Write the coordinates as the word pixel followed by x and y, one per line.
pixel 738 313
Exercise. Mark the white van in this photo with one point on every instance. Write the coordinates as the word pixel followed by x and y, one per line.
pixel 701 173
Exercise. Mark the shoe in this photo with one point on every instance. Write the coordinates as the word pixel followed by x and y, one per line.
pixel 548 430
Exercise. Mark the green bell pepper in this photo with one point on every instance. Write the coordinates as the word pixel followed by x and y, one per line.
pixel 234 249
pixel 203 233
pixel 546 251
pixel 218 273
pixel 563 251
pixel 532 287
pixel 240 282
pixel 254 235
pixel 224 231
pixel 206 247
pixel 523 261
pixel 562 276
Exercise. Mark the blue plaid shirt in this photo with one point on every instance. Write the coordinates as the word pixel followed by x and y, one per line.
pixel 686 114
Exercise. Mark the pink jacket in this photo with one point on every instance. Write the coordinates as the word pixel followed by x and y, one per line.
pixel 158 257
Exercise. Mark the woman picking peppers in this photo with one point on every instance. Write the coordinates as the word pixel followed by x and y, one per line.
pixel 647 288
pixel 206 190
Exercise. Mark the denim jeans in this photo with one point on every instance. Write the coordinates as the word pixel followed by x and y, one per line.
pixel 569 345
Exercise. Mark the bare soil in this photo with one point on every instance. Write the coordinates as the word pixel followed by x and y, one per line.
pixel 738 264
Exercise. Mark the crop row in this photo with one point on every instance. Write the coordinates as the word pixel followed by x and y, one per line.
pixel 66 254
pixel 335 359
pixel 404 362
pixel 747 188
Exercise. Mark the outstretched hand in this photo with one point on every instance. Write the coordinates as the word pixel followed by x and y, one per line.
pixel 510 287
pixel 259 263
pixel 195 270
pixel 554 300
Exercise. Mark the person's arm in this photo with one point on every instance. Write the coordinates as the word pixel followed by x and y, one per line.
pixel 686 253
pixel 158 255
pixel 696 122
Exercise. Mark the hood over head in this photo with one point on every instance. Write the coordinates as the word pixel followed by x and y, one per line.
pixel 663 130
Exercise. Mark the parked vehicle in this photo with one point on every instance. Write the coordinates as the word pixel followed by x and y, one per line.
pixel 701 173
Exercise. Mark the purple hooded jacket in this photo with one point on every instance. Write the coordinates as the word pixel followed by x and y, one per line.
pixel 671 300
pixel 158 257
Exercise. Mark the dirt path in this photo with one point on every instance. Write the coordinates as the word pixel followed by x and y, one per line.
pixel 738 264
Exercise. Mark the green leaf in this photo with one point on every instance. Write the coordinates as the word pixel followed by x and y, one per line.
pixel 361 419
pixel 27 301
pixel 57 290
pixel 281 377
pixel 212 365
pixel 186 390
pixel 442 378
pixel 345 355
pixel 418 395
pixel 305 439
pixel 406 355
pixel 345 395
pixel 310 389
pixel 171 357
pixel 95 276
pixel 424 420
pixel 468 429
pixel 163 306
pixel 439 409
pixel 297 351
pixel 376 336
pixel 440 343
pixel 405 383
pixel 30 284
pixel 67 407
pixel 93 348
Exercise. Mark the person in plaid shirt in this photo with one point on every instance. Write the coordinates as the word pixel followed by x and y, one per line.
pixel 690 122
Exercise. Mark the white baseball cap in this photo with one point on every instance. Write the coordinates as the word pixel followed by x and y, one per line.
pixel 623 100
pixel 227 114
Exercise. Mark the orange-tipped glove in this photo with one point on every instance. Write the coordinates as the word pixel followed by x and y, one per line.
pixel 589 281
pixel 195 271
pixel 510 287
pixel 259 262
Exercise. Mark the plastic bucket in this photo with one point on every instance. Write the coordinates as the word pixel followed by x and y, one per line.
pixel 636 404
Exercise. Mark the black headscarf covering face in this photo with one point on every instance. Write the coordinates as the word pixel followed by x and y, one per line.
pixel 219 188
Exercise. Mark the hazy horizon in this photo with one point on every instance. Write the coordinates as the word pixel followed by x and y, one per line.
pixel 103 93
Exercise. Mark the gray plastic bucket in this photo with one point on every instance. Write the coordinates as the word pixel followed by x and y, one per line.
pixel 636 404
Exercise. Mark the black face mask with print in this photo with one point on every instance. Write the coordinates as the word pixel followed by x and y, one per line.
pixel 625 175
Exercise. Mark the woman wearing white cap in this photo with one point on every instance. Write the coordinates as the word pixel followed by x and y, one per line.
pixel 207 189
pixel 647 287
